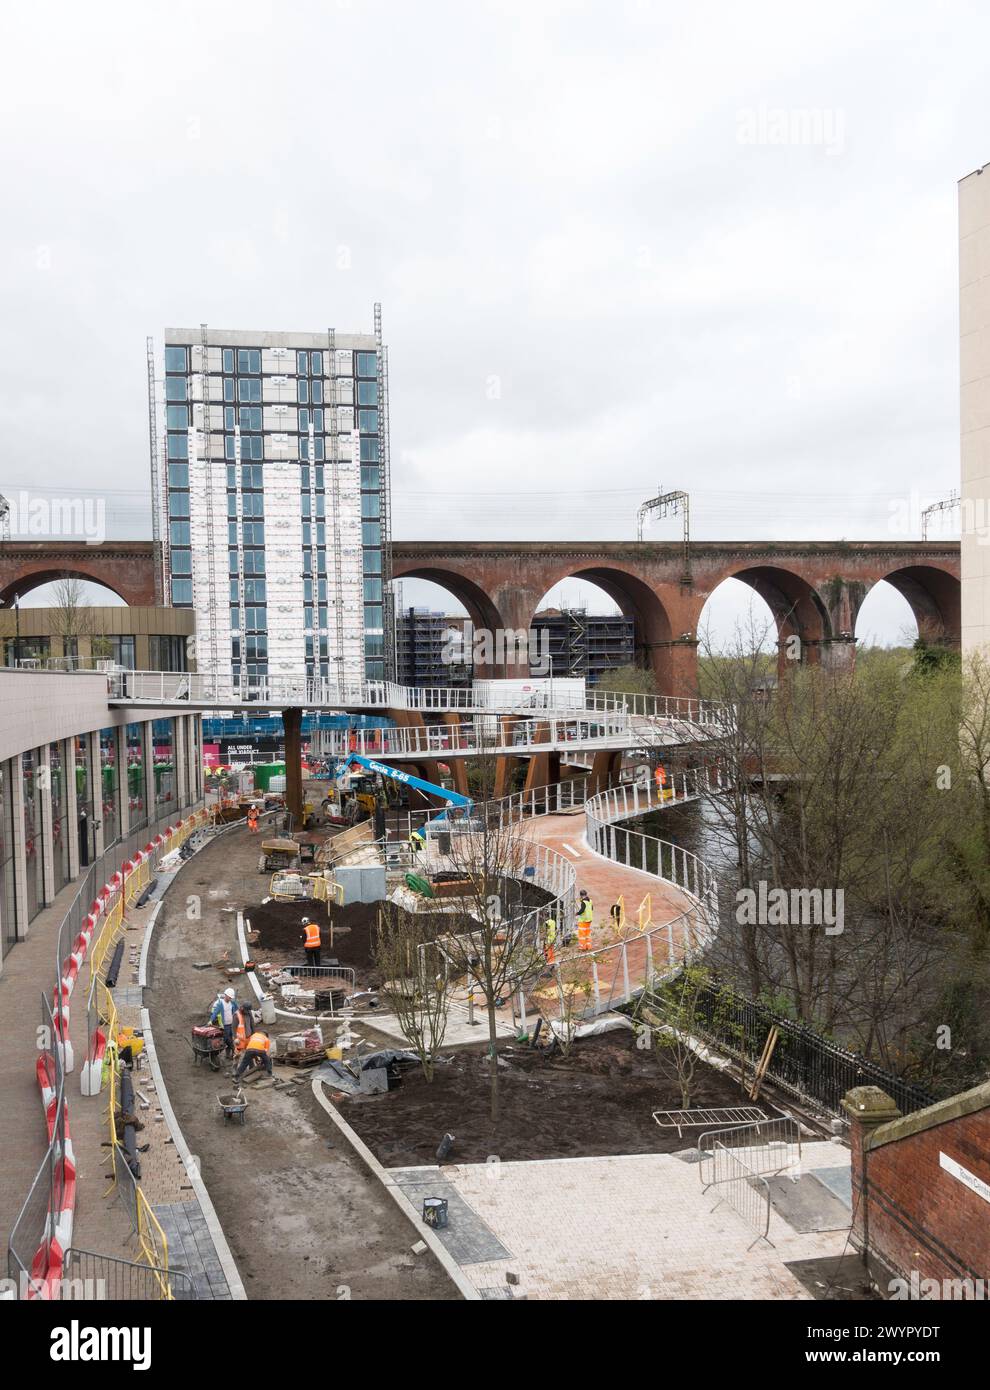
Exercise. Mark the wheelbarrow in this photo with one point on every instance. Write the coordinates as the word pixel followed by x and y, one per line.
pixel 207 1045
pixel 234 1106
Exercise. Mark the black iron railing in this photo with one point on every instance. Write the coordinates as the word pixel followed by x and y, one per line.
pixel 803 1061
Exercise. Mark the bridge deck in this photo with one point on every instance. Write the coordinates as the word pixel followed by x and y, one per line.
pixel 607 882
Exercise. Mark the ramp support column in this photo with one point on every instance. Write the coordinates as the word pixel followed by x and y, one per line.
pixel 292 726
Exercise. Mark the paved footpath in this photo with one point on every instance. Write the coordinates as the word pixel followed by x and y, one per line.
pixel 637 1226
pixel 29 972
pixel 606 880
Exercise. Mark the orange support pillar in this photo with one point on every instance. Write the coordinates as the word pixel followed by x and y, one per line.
pixel 458 766
pixel 605 768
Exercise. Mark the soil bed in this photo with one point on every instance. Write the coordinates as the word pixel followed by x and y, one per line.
pixel 280 930
pixel 598 1100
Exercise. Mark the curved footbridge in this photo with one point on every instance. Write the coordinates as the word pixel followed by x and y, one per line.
pixel 541 727
pixel 655 903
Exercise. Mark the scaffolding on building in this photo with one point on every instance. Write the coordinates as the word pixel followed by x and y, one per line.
pixel 239 519
pixel 159 517
pixel 428 644
pixel 338 576
pixel 207 557
pixel 385 500
pixel 576 643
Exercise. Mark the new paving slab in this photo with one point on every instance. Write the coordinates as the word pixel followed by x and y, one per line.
pixel 630 1227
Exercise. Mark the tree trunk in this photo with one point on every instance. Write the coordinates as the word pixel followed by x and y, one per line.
pixel 493 1061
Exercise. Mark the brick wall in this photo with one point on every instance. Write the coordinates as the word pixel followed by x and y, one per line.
pixel 910 1213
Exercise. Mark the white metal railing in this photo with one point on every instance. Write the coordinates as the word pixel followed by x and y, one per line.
pixel 615 732
pixel 557 797
pixel 614 974
pixel 527 860
pixel 218 689
pixel 662 858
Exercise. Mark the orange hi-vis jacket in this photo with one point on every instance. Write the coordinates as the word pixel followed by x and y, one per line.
pixel 259 1043
pixel 312 935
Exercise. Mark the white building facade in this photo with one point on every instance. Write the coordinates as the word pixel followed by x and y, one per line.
pixel 974 371
pixel 271 481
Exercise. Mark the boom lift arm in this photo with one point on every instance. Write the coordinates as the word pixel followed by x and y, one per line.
pixel 452 799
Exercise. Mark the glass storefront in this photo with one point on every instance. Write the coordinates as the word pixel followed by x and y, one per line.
pixel 165 779
pixel 31 790
pixel 167 653
pixel 86 816
pixel 136 802
pixel 8 900
pixel 109 787
pixel 60 817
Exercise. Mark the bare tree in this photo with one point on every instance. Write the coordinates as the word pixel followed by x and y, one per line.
pixel 416 980
pixel 71 613
pixel 496 945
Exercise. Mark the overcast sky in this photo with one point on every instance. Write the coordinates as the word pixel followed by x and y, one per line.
pixel 712 245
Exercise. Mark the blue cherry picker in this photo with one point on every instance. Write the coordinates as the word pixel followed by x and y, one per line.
pixel 452 800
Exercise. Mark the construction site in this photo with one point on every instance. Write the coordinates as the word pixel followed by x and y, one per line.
pixel 419 970
pixel 451 970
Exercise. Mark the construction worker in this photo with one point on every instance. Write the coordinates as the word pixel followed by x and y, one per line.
pixel 258 1053
pixel 244 1028
pixel 549 939
pixel 416 841
pixel 660 777
pixel 224 1012
pixel 585 913
pixel 311 940
pixel 252 819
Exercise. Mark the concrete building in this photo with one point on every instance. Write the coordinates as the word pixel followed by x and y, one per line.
pixel 139 639
pixel 271 479
pixel 974 376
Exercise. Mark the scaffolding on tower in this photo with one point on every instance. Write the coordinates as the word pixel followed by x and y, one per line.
pixel 159 500
pixel 208 555
pixel 385 497
pixel 338 576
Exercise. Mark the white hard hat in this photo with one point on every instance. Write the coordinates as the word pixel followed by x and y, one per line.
pixel 228 993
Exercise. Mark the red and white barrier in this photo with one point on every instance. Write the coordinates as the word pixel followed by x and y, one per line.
pixel 91 1075
pixel 49 1259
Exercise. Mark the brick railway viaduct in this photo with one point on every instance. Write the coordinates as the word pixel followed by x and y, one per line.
pixel 814 589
